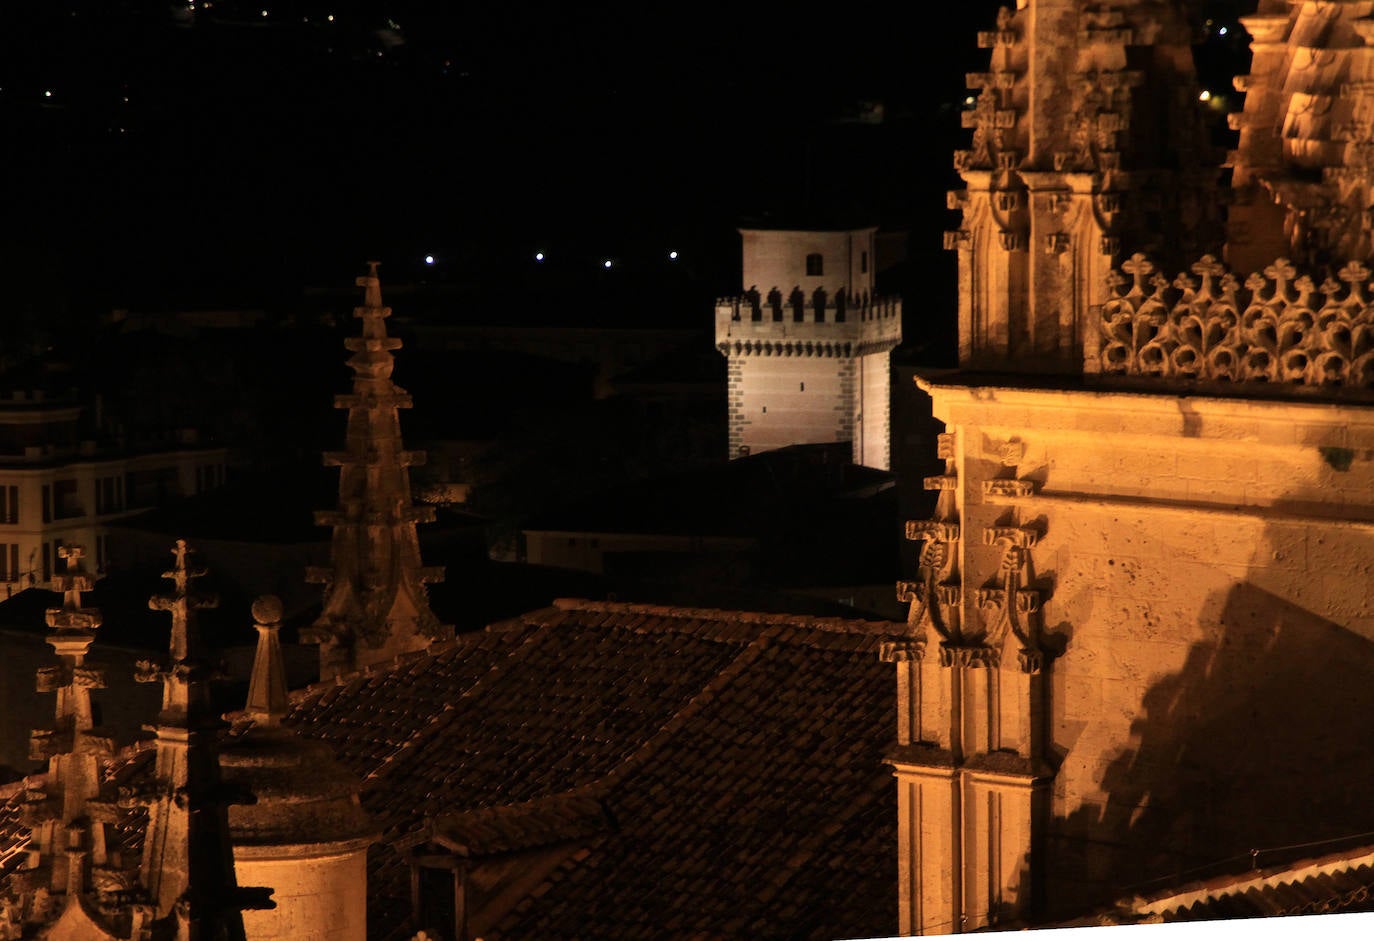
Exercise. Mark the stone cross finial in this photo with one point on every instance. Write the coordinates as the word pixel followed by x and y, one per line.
pixel 181 604
pixel 72 582
pixel 1355 274
pixel 1280 272
pixel 1208 269
pixel 1139 268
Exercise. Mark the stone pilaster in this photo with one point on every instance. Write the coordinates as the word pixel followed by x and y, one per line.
pixel 972 785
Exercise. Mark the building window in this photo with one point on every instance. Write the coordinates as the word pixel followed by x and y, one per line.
pixel 107 496
pixel 9 504
pixel 814 266
pixel 9 558
pixel 102 552
pixel 47 562
pixel 66 499
pixel 47 503
pixel 209 476
pixel 863 262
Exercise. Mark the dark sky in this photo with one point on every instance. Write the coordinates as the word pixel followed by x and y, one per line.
pixel 257 154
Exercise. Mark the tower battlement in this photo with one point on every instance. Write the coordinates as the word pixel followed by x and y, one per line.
pixel 795 325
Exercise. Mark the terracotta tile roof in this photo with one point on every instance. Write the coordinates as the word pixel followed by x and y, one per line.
pixel 722 772
pixel 739 754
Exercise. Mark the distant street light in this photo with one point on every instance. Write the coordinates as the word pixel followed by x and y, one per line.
pixel 429 259
pixel 606 263
pixel 673 256
pixel 538 256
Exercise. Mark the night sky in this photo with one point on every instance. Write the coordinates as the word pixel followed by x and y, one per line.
pixel 205 154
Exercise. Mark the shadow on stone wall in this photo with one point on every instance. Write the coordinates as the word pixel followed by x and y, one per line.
pixel 1263 741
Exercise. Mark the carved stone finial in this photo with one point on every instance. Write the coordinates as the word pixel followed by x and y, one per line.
pixel 267 700
pixel 182 604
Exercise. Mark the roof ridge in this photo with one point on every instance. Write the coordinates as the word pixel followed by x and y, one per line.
pixel 436 649
pixel 829 623
pixel 1202 890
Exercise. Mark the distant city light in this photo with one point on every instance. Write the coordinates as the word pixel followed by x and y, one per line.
pixel 429 259
pixel 969 100
pixel 606 263
pixel 538 256
pixel 1222 31
pixel 264 12
pixel 673 255
pixel 330 17
pixel 47 93
pixel 1205 96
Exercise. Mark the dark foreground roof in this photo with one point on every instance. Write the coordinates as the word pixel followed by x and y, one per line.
pixel 719 774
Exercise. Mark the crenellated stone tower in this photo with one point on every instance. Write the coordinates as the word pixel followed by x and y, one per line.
pixel 808 344
pixel 1132 563
pixel 375 602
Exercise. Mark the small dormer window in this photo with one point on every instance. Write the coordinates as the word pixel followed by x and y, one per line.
pixel 814 266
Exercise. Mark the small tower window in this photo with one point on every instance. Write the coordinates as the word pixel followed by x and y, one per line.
pixel 863 262
pixel 814 266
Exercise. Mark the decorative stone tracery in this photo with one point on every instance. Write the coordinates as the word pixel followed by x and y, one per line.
pixel 1279 326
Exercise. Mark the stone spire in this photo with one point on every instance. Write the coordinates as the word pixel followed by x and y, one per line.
pixel 187 867
pixel 61 841
pixel 375 605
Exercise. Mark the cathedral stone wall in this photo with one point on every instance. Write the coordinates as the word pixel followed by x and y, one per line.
pixel 1205 565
